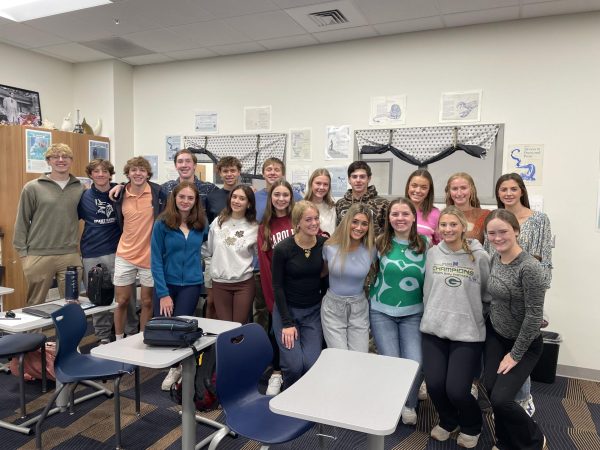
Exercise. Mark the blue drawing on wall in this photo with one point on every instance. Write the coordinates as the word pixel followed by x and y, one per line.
pixel 395 113
pixel 465 108
pixel 529 174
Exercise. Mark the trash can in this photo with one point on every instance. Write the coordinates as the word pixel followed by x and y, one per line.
pixel 545 369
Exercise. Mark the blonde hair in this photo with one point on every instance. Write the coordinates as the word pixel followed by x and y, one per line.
pixel 473 199
pixel 299 209
pixel 309 191
pixel 341 236
pixel 58 150
pixel 454 211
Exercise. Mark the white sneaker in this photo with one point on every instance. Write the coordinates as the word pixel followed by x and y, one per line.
pixel 467 440
pixel 409 416
pixel 172 377
pixel 422 395
pixel 441 434
pixel 275 383
pixel 528 405
pixel 474 391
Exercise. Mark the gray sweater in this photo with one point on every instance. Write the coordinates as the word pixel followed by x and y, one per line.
pixel 454 293
pixel 517 290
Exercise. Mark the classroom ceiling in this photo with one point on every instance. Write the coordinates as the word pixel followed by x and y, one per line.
pixel 156 31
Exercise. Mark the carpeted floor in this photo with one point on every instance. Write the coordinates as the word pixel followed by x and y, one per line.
pixel 568 412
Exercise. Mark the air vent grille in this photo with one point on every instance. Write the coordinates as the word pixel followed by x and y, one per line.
pixel 328 18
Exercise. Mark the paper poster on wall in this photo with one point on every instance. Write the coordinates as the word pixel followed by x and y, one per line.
pixel 36 144
pixel 168 171
pixel 153 160
pixel 206 122
pixel 461 106
pixel 257 119
pixel 339 181
pixel 172 146
pixel 300 179
pixel 339 142
pixel 300 148
pixel 527 160
pixel 98 149
pixel 388 110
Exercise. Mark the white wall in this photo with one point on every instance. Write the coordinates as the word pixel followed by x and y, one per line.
pixel 539 77
pixel 53 79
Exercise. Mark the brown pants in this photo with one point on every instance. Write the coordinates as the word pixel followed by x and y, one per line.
pixel 40 271
pixel 233 301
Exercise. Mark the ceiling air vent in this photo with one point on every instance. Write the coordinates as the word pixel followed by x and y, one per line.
pixel 327 16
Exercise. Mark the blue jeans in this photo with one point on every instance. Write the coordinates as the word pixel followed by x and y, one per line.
pixel 400 337
pixel 296 361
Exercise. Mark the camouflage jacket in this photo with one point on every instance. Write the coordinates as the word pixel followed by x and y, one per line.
pixel 377 204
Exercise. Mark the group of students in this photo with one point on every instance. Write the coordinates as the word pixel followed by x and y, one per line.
pixel 455 290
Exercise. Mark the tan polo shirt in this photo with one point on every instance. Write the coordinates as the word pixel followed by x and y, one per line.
pixel 138 219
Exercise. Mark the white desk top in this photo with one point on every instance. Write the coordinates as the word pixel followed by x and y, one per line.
pixel 6 290
pixel 357 391
pixel 132 349
pixel 29 322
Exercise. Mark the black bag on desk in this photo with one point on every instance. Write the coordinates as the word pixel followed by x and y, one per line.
pixel 100 289
pixel 172 332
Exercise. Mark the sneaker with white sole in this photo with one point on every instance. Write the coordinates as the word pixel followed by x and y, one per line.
pixel 409 416
pixel 441 434
pixel 467 440
pixel 422 395
pixel 528 405
pixel 275 383
pixel 172 377
pixel 474 391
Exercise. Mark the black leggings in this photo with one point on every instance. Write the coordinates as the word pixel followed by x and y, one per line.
pixel 448 367
pixel 514 428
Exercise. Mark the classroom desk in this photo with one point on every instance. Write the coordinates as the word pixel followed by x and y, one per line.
pixel 132 350
pixel 4 291
pixel 27 323
pixel 330 393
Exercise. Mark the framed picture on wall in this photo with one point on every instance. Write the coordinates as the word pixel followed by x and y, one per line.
pixel 19 106
pixel 99 149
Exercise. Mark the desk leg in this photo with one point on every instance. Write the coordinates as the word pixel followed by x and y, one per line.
pixel 188 417
pixel 375 442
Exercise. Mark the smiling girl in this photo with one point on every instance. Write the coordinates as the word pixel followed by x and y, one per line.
pixel 419 189
pixel 462 193
pixel 348 254
pixel 232 246
pixel 453 327
pixel 397 295
pixel 319 193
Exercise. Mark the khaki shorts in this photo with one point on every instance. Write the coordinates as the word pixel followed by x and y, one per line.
pixel 125 274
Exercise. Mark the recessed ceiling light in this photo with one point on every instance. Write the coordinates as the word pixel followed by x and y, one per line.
pixel 22 10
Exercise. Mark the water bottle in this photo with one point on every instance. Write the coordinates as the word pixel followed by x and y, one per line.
pixel 71 284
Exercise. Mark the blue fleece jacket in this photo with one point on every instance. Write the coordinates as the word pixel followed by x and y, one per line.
pixel 174 259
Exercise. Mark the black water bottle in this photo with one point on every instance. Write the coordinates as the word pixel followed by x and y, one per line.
pixel 71 284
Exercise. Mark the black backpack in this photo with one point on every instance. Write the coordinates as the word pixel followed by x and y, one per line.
pixel 205 392
pixel 100 289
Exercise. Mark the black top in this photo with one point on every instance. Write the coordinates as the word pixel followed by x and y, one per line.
pixel 216 201
pixel 296 278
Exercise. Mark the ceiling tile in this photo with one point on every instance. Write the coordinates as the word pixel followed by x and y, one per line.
pixel 160 41
pixel 170 13
pixel 233 8
pixel 559 7
pixel 155 58
pixel 26 36
pixel 408 26
pixel 130 21
pixel 487 16
pixel 234 49
pixel 266 25
pixel 346 34
pixel 74 52
pixel 393 10
pixel 196 53
pixel 211 33
pixel 283 4
pixel 457 6
pixel 66 26
pixel 289 42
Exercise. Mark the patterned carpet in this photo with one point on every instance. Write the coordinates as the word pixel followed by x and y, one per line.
pixel 568 412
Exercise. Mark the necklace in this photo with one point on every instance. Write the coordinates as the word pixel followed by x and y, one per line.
pixel 306 250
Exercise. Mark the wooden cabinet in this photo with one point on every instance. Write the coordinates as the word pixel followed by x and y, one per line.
pixel 12 178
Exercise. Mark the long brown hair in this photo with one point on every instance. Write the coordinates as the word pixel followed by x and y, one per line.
pixel 384 241
pixel 473 199
pixel 309 190
pixel 171 216
pixel 517 178
pixel 454 211
pixel 270 212
pixel 250 211
pixel 341 235
pixel 427 204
